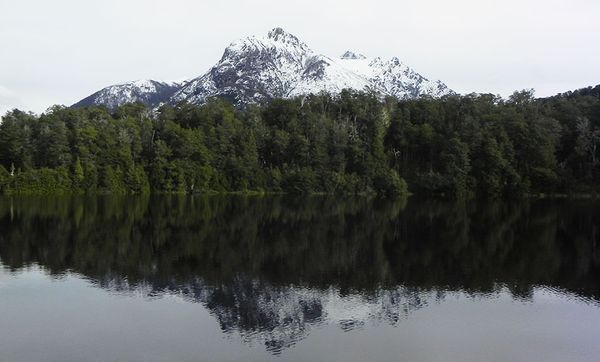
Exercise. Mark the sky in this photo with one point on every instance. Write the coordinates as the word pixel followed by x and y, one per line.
pixel 60 51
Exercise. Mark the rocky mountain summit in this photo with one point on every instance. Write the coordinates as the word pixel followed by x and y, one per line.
pixel 257 69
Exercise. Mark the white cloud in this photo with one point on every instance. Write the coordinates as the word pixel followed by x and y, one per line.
pixel 60 51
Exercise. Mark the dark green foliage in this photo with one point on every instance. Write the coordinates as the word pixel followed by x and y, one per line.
pixel 389 183
pixel 350 144
pixel 44 181
pixel 4 179
pixel 299 181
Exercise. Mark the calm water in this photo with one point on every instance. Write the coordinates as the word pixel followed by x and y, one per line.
pixel 191 278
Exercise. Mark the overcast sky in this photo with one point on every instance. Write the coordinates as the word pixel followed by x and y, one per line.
pixel 59 51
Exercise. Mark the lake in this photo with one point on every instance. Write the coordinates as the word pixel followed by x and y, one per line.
pixel 189 278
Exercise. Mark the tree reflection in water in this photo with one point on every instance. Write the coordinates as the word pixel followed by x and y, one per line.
pixel 271 268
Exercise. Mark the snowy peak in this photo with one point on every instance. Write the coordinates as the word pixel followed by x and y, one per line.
pixel 280 35
pixel 257 69
pixel 350 55
pixel 393 77
pixel 148 92
pixel 253 69
pixel 276 41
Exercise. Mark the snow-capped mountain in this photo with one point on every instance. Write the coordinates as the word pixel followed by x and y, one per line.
pixel 252 70
pixel 392 77
pixel 149 92
pixel 278 65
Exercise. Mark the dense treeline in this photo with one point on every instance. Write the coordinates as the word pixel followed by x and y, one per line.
pixel 353 143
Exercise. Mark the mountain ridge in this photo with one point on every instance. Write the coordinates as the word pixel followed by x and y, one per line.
pixel 150 92
pixel 256 69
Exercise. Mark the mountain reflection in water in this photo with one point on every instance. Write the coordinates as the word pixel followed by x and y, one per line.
pixel 270 269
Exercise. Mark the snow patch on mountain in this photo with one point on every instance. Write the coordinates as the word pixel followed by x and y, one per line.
pixel 323 74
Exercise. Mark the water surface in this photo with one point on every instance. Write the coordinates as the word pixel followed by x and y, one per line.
pixel 243 278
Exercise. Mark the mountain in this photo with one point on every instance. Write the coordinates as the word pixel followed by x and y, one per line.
pixel 278 65
pixel 392 77
pixel 150 92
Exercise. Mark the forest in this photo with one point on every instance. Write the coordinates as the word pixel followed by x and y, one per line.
pixel 353 143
